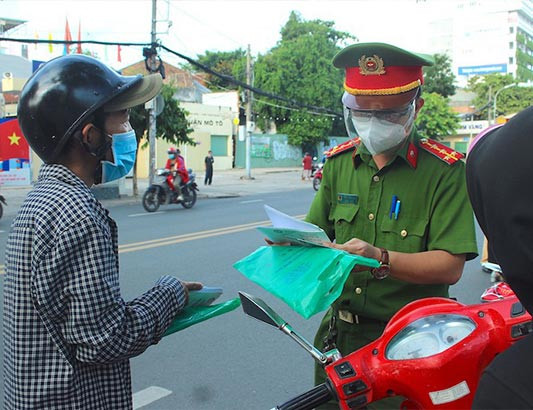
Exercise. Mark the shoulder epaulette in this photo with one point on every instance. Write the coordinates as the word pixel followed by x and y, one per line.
pixel 345 146
pixel 441 151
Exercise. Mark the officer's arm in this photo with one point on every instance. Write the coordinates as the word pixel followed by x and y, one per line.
pixel 320 207
pixel 430 267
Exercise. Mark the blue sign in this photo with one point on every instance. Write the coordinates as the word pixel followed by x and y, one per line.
pixel 483 69
pixel 35 64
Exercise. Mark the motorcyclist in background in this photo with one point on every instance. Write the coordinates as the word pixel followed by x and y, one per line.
pixel 176 164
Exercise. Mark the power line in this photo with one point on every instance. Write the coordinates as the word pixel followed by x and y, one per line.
pixel 190 60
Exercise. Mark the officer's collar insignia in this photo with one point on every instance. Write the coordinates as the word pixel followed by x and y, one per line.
pixel 371 65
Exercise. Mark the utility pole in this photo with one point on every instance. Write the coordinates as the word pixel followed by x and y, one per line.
pixel 152 129
pixel 249 123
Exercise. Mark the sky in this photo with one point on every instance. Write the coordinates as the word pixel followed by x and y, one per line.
pixel 192 27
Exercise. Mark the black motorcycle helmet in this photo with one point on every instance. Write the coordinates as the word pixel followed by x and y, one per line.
pixel 63 94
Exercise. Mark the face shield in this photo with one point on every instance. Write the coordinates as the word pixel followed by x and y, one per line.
pixel 379 130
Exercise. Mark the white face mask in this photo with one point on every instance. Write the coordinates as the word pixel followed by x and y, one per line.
pixel 377 134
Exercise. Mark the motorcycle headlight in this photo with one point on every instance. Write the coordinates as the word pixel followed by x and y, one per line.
pixel 428 336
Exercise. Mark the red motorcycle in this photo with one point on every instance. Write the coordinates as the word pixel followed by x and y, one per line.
pixel 432 352
pixel 317 176
pixel 162 191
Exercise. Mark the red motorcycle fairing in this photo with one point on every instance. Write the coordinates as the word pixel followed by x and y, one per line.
pixel 446 379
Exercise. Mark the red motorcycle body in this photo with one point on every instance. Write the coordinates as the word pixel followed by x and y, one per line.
pixel 447 379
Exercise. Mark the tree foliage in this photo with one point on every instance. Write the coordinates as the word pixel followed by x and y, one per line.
pixel 299 68
pixel 439 78
pixel 509 101
pixel 436 119
pixel 231 63
pixel 171 124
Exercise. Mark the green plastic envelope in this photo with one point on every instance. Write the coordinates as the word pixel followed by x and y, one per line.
pixel 308 279
pixel 196 314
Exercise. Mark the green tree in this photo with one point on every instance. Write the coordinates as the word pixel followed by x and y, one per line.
pixel 299 68
pixel 230 63
pixel 436 119
pixel 171 125
pixel 439 78
pixel 510 100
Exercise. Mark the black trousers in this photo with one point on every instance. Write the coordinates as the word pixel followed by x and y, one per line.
pixel 208 176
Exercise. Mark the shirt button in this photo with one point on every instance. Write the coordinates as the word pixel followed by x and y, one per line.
pixel 375 178
pixel 358 291
pixel 403 233
pixel 371 217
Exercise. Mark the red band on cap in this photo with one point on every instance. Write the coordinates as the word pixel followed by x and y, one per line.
pixel 396 80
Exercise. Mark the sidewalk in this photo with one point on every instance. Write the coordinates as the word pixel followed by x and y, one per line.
pixel 227 183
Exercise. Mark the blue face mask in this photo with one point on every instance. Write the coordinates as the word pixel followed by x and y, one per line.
pixel 124 147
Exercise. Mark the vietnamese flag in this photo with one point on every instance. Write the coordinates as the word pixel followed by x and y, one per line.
pixel 78 50
pixel 12 142
pixel 68 37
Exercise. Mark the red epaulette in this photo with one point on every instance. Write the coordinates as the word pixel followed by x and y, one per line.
pixel 441 151
pixel 345 146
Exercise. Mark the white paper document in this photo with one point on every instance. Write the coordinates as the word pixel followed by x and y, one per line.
pixel 285 228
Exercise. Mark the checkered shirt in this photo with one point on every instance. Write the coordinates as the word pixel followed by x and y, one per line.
pixel 68 334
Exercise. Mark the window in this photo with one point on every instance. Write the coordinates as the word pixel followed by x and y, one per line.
pixel 219 145
pixel 511 45
pixel 511 60
pixel 511 30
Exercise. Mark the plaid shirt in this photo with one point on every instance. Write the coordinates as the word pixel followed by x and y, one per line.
pixel 68 334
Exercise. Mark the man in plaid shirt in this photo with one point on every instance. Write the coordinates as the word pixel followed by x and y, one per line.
pixel 68 334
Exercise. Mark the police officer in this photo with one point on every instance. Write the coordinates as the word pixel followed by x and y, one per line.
pixel 391 195
pixel 68 334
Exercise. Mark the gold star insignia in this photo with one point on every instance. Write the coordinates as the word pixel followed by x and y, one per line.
pixel 13 139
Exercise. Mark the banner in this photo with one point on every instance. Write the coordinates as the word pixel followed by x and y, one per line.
pixel 14 154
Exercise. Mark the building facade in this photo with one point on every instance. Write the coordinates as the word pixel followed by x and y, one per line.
pixel 484 36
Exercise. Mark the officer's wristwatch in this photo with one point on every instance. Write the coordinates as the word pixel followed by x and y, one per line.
pixel 384 266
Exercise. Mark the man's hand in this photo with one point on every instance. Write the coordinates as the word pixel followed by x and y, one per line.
pixel 358 247
pixel 190 286
pixel 270 243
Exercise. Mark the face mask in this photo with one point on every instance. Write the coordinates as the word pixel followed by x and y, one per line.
pixel 124 148
pixel 377 134
pixel 171 156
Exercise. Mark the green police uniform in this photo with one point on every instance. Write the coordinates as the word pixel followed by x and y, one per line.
pixel 354 201
pixel 358 200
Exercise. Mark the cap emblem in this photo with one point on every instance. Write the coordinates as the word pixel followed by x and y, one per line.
pixel 371 65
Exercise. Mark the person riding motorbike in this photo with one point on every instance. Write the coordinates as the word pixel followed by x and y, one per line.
pixel 179 176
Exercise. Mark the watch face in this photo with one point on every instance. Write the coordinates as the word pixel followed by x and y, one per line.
pixel 382 272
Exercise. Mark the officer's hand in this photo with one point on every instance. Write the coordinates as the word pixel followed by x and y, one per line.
pixel 270 243
pixel 358 247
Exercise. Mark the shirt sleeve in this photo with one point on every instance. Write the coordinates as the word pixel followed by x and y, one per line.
pixel 320 207
pixel 77 292
pixel 451 226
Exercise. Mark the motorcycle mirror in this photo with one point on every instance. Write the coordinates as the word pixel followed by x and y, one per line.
pixel 258 309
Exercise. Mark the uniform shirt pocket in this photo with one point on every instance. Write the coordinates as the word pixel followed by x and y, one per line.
pixel 342 216
pixel 405 234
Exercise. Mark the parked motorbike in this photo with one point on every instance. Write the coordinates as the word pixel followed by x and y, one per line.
pixel 432 352
pixel 160 192
pixel 317 177
pixel 2 201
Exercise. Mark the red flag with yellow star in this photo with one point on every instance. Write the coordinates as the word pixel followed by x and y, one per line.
pixel 13 145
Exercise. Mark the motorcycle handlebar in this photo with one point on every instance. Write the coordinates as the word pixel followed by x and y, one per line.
pixel 310 399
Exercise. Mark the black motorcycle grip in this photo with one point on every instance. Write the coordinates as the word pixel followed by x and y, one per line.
pixel 310 399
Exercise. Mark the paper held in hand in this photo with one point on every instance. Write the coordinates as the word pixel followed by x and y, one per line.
pixel 204 296
pixel 285 228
